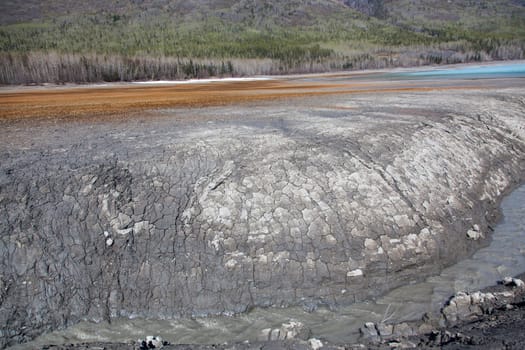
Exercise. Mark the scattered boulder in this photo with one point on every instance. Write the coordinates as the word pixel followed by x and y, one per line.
pixel 469 306
pixel 441 337
pixel 385 330
pixel 381 333
pixel 152 342
pixel 294 330
pixel 287 331
pixel 425 328
pixel 464 306
pixel 315 344
pixel 401 344
pixel 264 334
pixel 512 282
pixel 369 332
pixel 275 334
pixel 475 233
pixel 402 330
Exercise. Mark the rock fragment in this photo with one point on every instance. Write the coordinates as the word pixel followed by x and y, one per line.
pixel 369 332
pixel 315 343
pixel 152 342
pixel 385 330
pixel 513 282
pixel 475 233
pixel 287 331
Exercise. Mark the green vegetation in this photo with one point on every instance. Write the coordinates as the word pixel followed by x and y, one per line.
pixel 127 46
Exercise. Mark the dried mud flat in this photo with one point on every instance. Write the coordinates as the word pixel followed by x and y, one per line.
pixel 267 195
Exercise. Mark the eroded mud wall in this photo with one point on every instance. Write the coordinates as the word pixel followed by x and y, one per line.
pixel 325 201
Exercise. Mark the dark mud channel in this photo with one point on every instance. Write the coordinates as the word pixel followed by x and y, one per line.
pixel 313 204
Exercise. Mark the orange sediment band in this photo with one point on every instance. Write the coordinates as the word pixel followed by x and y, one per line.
pixel 115 100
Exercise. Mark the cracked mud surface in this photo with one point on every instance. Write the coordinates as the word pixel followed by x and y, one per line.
pixel 319 201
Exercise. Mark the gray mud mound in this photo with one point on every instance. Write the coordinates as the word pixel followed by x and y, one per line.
pixel 326 201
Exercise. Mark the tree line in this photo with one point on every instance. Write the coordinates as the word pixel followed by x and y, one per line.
pixel 107 48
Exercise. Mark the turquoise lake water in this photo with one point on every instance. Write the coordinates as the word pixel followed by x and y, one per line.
pixel 504 70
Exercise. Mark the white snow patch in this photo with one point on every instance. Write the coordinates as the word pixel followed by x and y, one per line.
pixel 199 81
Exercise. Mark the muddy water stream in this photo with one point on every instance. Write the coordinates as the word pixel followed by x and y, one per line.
pixel 505 256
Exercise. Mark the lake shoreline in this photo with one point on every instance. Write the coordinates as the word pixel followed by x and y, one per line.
pixel 348 74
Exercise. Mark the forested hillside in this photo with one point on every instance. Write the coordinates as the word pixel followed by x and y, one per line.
pixel 120 40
